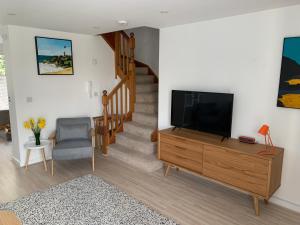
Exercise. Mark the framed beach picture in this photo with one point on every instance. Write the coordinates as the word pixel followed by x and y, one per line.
pixel 289 84
pixel 54 56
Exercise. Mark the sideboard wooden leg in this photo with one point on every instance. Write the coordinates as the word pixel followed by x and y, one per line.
pixel 167 169
pixel 266 201
pixel 256 205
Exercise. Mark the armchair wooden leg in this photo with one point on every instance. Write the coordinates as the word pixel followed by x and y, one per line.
pixel 93 161
pixel 52 167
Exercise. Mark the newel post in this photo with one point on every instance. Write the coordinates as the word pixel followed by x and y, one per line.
pixel 132 72
pixel 132 45
pixel 105 136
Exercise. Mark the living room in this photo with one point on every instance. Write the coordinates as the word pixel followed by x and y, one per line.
pixel 203 47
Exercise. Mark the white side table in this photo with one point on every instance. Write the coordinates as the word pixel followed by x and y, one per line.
pixel 32 146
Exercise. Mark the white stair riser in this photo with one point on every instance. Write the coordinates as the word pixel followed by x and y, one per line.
pixel 141 70
pixel 148 97
pixel 146 88
pixel 146 108
pixel 143 119
pixel 145 133
pixel 146 148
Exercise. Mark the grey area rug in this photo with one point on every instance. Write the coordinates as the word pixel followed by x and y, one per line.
pixel 87 200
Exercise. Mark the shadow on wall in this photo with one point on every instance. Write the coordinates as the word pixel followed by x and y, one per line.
pixel 146 46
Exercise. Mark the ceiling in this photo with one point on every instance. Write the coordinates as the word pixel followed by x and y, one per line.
pixel 99 16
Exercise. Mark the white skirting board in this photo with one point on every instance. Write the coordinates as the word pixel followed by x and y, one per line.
pixel 286 204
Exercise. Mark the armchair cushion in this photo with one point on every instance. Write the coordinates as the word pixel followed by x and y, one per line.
pixel 73 128
pixel 72 149
pixel 73 131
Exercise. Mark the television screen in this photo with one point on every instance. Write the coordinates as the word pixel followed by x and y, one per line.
pixel 203 111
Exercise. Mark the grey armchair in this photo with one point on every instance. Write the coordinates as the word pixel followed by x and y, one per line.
pixel 73 139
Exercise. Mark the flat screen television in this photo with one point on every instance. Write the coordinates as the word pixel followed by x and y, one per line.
pixel 202 111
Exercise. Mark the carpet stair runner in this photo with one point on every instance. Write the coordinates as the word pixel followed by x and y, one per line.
pixel 134 146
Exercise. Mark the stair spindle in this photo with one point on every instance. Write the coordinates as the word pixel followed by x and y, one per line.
pixel 105 135
pixel 122 105
pixel 117 111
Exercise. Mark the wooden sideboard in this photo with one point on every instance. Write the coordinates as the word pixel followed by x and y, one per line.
pixel 229 162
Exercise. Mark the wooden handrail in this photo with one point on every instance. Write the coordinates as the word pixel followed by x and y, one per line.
pixel 118 105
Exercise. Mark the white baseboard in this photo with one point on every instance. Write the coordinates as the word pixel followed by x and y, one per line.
pixel 16 161
pixel 285 203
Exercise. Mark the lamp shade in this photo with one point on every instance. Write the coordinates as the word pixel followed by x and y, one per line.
pixel 264 130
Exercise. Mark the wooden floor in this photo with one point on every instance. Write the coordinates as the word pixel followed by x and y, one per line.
pixel 186 198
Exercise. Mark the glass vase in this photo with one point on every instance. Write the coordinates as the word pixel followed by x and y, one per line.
pixel 37 138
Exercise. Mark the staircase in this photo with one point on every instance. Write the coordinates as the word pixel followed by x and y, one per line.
pixel 132 143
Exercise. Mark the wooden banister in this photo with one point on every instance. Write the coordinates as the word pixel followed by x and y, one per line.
pixel 118 105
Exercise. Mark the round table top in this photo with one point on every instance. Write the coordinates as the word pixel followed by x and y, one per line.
pixel 32 145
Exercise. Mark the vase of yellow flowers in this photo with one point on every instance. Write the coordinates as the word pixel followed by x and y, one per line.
pixel 36 128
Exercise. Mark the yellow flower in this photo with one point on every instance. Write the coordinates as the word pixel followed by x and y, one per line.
pixel 41 125
pixel 41 119
pixel 32 122
pixel 27 125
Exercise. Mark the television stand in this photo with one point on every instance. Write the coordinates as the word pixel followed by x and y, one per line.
pixel 223 138
pixel 230 163
pixel 174 128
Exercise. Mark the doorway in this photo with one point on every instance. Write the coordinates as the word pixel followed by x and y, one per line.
pixel 5 131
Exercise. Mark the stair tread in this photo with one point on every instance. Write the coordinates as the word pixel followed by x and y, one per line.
pixel 142 70
pixel 133 154
pixel 149 119
pixel 146 103
pixel 146 87
pixel 144 75
pixel 139 125
pixel 148 93
pixel 136 143
pixel 147 114
pixel 146 84
pixel 146 96
pixel 136 138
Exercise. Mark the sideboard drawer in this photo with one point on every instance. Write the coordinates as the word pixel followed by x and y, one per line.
pixel 240 170
pixel 181 142
pixel 181 156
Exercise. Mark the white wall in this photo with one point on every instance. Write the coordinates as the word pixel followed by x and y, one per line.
pixel 240 55
pixel 53 96
pixel 1 42
pixel 147 46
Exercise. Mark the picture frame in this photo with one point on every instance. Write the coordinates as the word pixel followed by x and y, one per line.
pixel 54 56
pixel 289 84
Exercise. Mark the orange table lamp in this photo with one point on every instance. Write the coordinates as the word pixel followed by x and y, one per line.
pixel 265 131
